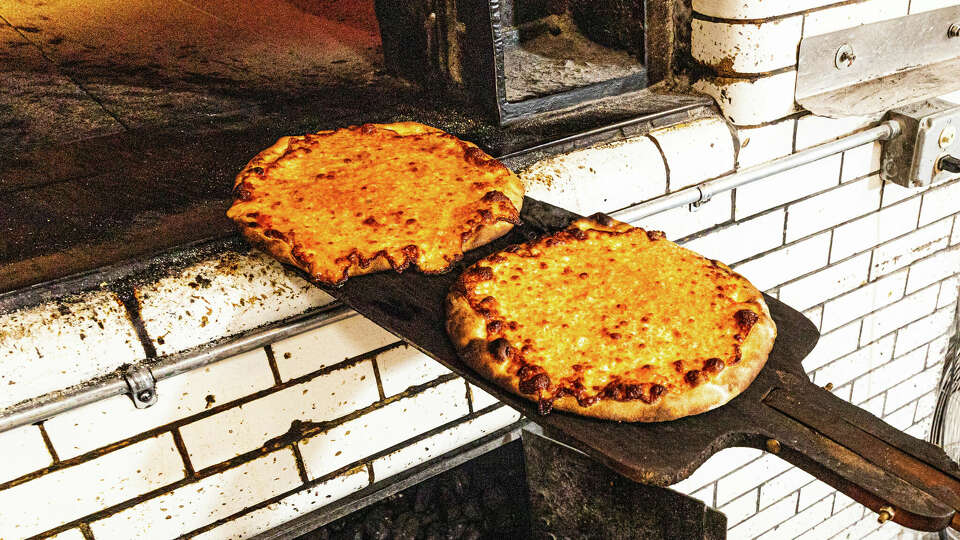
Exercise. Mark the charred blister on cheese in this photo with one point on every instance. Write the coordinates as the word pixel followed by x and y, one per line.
pixel 501 350
pixel 713 365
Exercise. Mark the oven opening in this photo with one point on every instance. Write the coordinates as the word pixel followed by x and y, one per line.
pixel 552 47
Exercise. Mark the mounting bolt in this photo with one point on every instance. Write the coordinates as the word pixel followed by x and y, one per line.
pixel 885 514
pixel 145 395
pixel 947 136
pixel 954 30
pixel 828 387
pixel 844 57
pixel 773 446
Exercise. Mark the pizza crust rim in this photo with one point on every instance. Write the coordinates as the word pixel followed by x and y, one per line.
pixel 467 330
pixel 283 250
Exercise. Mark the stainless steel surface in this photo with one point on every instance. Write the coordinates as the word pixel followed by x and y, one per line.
pixel 929 136
pixel 872 68
pixel 695 194
pixel 53 403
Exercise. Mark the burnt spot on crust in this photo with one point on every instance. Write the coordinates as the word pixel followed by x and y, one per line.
pixel 737 354
pixel 410 252
pixel 693 377
pixel 494 327
pixel 544 406
pixel 501 350
pixel 272 233
pixel 243 192
pixel 746 319
pixel 368 129
pixel 257 170
pixel 496 196
pixel 678 366
pixel 534 384
pixel 656 390
pixel 475 155
pixel 370 221
pixel 656 235
pixel 713 365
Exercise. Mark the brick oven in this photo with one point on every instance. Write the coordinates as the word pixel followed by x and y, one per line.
pixel 159 378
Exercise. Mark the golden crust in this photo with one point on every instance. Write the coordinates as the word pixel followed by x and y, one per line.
pixel 455 221
pixel 468 330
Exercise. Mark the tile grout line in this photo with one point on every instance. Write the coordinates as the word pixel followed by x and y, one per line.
pixel 176 424
pixel 272 362
pixel 301 465
pixel 376 375
pixel 128 297
pixel 49 444
pixel 184 453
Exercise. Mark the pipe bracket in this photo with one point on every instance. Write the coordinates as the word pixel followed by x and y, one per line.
pixel 142 385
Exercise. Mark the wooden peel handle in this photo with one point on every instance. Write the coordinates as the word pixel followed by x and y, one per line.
pixel 904 479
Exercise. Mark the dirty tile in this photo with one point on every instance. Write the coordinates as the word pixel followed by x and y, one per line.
pixel 49 501
pixel 599 179
pixel 201 503
pixel 443 442
pixel 23 452
pixel 708 139
pixel 747 48
pixel 291 506
pixel 114 419
pixel 749 102
pixel 60 344
pixel 241 429
pixel 404 366
pixel 222 296
pixel 308 352
pixel 383 428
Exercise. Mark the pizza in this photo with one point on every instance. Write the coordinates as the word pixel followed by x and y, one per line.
pixel 369 198
pixel 610 321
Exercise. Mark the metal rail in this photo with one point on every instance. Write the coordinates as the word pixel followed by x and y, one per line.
pixel 115 384
pixel 132 380
pixel 701 193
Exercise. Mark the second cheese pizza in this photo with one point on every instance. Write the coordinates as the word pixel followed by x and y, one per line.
pixel 613 322
pixel 374 197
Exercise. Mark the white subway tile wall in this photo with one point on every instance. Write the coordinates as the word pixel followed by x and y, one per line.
pixel 257 440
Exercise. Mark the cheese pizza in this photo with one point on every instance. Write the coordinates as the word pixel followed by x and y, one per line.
pixel 611 321
pixel 374 197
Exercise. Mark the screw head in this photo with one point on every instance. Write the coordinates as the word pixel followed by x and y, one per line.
pixel 947 137
pixel 885 514
pixel 845 57
pixel 773 446
pixel 145 395
pixel 954 30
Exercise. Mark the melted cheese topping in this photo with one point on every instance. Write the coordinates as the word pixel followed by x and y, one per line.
pixel 348 196
pixel 613 308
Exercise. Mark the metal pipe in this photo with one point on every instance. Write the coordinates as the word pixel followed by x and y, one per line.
pixel 54 403
pixel 703 192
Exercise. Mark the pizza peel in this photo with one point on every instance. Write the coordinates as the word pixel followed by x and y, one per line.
pixel 903 478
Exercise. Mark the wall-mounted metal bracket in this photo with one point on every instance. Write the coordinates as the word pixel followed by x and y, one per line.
pixel 928 151
pixel 870 69
pixel 142 385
